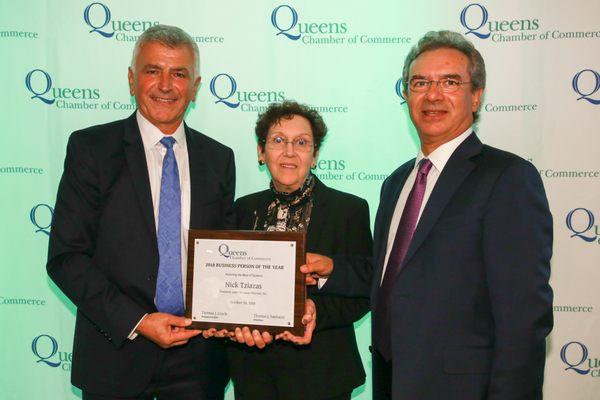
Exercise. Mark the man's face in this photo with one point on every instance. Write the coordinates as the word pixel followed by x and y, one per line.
pixel 440 117
pixel 163 83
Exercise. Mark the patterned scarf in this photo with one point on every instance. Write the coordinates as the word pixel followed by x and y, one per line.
pixel 288 211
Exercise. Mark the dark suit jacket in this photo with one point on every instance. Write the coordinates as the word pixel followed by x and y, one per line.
pixel 331 364
pixel 103 251
pixel 471 306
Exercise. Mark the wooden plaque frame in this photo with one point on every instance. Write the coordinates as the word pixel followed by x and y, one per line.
pixel 299 283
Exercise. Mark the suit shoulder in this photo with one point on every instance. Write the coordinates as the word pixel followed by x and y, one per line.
pixel 98 134
pixel 250 201
pixel 502 160
pixel 399 172
pixel 210 143
pixel 341 198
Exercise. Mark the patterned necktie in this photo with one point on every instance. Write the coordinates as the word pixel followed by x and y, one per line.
pixel 404 234
pixel 169 286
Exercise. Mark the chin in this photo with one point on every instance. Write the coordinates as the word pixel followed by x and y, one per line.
pixel 287 187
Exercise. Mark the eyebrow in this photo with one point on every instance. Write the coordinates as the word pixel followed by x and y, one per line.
pixel 156 66
pixel 282 133
pixel 149 66
pixel 445 76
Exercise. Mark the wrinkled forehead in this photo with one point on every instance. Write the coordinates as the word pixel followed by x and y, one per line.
pixel 157 52
pixel 291 125
pixel 440 63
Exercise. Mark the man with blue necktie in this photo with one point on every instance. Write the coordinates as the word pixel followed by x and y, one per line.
pixel 130 191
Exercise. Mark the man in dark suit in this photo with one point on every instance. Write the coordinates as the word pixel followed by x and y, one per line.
pixel 129 192
pixel 461 304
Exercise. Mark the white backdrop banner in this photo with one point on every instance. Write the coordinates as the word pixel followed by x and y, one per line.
pixel 65 68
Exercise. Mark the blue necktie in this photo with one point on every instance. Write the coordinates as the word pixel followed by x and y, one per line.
pixel 169 287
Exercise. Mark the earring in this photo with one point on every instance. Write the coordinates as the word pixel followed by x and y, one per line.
pixel 261 162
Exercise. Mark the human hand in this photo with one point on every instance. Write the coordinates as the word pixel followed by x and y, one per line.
pixel 166 330
pixel 213 332
pixel 317 266
pixel 251 338
pixel 310 322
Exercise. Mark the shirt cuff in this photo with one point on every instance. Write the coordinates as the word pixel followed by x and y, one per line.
pixel 132 335
pixel 321 282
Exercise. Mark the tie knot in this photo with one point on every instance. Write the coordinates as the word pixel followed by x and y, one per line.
pixel 168 142
pixel 424 166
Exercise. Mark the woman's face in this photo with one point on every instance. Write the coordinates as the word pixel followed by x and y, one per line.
pixel 289 153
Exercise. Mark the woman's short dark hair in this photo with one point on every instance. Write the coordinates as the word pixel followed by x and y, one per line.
pixel 286 110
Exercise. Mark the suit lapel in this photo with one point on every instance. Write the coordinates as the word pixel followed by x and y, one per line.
pixel 136 162
pixel 459 166
pixel 387 212
pixel 318 215
pixel 198 174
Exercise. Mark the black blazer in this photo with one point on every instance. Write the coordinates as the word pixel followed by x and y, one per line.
pixel 331 364
pixel 471 306
pixel 103 251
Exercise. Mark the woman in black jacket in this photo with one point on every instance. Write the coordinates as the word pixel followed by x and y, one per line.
pixel 336 223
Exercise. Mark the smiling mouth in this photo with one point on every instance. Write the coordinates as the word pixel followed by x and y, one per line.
pixel 288 166
pixel 163 100
pixel 434 113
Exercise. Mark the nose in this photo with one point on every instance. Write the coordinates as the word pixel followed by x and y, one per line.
pixel 289 148
pixel 165 82
pixel 434 92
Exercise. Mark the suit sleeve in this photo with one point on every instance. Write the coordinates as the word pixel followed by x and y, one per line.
pixel 229 218
pixel 342 310
pixel 351 276
pixel 517 246
pixel 72 245
pixel 353 273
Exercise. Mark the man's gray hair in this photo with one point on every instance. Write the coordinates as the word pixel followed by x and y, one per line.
pixel 434 40
pixel 170 36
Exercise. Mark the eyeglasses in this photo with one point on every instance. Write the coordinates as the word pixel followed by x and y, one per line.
pixel 279 143
pixel 446 85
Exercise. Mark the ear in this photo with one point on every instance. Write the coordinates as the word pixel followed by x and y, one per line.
pixel 260 153
pixel 131 79
pixel 315 159
pixel 196 85
pixel 476 99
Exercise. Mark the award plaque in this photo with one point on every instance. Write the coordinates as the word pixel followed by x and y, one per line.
pixel 246 278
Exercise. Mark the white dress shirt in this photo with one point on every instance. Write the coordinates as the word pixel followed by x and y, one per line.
pixel 439 157
pixel 155 153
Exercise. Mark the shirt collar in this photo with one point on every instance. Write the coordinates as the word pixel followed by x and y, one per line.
pixel 151 135
pixel 440 156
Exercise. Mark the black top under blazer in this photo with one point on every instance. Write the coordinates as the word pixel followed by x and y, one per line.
pixel 331 364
